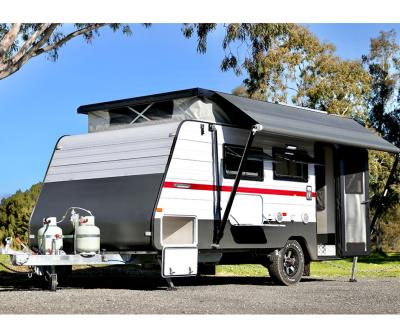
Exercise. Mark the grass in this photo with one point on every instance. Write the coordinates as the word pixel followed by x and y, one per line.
pixel 374 266
pixel 5 260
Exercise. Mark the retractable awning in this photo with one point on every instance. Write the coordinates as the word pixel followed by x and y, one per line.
pixel 302 123
pixel 278 119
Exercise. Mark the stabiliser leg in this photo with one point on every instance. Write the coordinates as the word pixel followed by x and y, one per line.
pixel 53 280
pixel 354 270
pixel 171 286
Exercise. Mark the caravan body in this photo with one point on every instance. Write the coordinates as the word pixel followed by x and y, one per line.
pixel 158 173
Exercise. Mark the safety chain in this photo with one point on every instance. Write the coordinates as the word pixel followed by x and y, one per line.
pixel 365 270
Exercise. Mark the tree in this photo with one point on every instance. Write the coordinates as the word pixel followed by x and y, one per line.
pixel 21 42
pixel 285 61
pixel 15 212
pixel 383 65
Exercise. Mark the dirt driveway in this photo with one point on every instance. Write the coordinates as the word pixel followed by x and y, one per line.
pixel 100 291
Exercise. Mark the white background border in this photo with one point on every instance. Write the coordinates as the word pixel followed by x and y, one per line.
pixel 173 11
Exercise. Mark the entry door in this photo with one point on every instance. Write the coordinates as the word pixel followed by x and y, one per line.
pixel 354 224
pixel 326 201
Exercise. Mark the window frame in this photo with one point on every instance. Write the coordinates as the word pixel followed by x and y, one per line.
pixel 277 150
pixel 259 178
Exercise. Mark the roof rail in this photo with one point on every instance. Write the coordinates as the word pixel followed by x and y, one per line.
pixel 301 107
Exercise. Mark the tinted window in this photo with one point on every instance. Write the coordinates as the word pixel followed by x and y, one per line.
pixel 354 167
pixel 287 167
pixel 254 167
pixel 354 183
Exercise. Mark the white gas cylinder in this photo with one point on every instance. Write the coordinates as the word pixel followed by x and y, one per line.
pixel 50 239
pixel 87 236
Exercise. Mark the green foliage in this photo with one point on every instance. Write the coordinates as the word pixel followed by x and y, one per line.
pixel 285 61
pixel 391 231
pixel 384 116
pixel 15 212
pixel 384 67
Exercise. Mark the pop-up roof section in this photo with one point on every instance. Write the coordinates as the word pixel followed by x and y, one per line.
pixel 217 107
pixel 168 107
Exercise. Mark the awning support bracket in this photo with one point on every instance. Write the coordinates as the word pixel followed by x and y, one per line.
pixel 256 128
pixel 217 182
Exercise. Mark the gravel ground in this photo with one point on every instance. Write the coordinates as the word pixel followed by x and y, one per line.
pixel 102 291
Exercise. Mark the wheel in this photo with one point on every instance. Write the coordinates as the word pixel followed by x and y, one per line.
pixel 287 266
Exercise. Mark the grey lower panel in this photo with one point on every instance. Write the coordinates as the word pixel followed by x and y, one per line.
pixel 123 208
pixel 254 237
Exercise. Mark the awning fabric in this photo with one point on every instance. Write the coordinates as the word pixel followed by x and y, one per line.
pixel 302 123
pixel 278 119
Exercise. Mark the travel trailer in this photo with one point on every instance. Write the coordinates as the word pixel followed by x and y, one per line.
pixel 195 178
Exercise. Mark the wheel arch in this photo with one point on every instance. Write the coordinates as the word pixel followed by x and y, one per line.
pixel 304 245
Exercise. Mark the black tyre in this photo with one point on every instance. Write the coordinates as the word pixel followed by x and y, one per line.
pixel 287 266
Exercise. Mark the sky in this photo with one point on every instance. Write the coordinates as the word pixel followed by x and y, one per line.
pixel 38 103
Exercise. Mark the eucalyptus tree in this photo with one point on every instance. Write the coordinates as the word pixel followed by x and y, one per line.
pixel 383 64
pixel 21 42
pixel 287 62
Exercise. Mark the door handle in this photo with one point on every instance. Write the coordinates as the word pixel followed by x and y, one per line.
pixel 365 202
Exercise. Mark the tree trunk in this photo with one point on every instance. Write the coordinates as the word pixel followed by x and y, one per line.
pixel 378 238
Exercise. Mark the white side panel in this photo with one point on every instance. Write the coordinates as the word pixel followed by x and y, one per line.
pixel 192 166
pixel 124 152
pixel 179 261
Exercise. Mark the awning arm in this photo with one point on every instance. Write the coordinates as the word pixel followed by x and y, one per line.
pixel 256 128
pixel 217 181
pixel 381 202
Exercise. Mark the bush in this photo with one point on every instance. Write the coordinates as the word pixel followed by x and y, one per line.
pixel 15 212
pixel 390 226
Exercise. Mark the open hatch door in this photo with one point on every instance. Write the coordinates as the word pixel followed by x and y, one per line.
pixel 179 241
pixel 179 261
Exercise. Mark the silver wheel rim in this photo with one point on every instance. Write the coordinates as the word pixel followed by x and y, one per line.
pixel 290 262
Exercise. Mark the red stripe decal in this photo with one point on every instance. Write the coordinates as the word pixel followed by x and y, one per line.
pixel 205 187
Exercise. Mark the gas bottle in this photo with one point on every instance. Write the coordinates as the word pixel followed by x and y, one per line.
pixel 87 236
pixel 50 239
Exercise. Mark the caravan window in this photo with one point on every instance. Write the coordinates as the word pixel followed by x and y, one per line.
pixel 289 165
pixel 141 113
pixel 254 168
